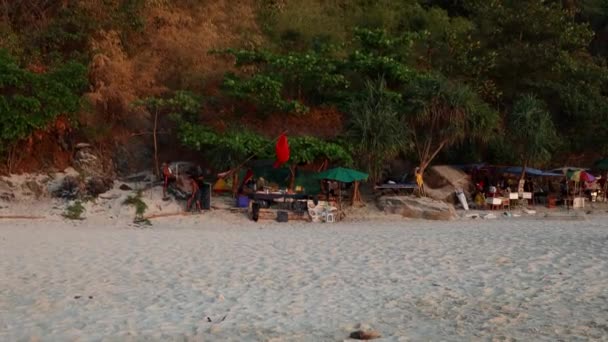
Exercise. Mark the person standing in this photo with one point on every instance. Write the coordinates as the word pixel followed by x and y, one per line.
pixel 195 195
pixel 420 182
pixel 167 176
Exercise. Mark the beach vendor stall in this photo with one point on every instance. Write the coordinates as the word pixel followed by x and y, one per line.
pixel 602 165
pixel 580 178
pixel 527 191
pixel 344 175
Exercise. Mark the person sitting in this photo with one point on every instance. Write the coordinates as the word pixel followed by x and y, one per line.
pixel 492 191
pixel 480 200
pixel 247 186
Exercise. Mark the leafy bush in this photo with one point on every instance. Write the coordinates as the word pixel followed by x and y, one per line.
pixel 140 208
pixel 31 101
pixel 74 211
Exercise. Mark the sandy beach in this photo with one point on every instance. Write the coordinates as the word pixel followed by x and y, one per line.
pixel 207 278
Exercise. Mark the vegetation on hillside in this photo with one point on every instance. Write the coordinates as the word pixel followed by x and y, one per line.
pixel 419 79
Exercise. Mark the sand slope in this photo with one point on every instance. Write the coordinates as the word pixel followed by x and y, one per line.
pixel 517 279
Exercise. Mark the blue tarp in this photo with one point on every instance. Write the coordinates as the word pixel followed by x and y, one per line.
pixel 530 171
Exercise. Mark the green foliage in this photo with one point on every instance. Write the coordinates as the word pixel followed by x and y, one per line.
pixel 306 149
pixel 226 149
pixel 440 113
pixel 375 129
pixel 264 91
pixel 532 132
pixel 140 208
pixel 57 31
pixel 181 105
pixel 301 24
pixel 281 82
pixel 66 37
pixel 30 101
pixel 74 211
pixel 230 148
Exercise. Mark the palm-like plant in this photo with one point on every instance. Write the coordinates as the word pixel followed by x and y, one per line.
pixel 374 128
pixel 440 113
pixel 532 131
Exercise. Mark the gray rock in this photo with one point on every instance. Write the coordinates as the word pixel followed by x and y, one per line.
pixel 34 187
pixel 71 188
pixel 125 187
pixel 89 163
pixel 417 207
pixel 98 185
pixel 7 196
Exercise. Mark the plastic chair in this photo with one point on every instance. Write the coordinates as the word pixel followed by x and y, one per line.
pixel 506 203
pixel 329 218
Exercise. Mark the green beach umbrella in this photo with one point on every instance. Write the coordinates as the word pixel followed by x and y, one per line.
pixel 602 164
pixel 343 175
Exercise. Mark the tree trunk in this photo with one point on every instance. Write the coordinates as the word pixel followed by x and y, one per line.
pixel 235 183
pixel 427 157
pixel 356 194
pixel 13 158
pixel 523 170
pixel 292 177
pixel 156 165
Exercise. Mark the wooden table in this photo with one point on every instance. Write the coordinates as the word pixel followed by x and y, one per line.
pixel 286 201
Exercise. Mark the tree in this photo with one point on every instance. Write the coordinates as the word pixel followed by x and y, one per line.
pixel 232 148
pixel 531 131
pixel 182 105
pixel 306 149
pixel 440 113
pixel 30 101
pixel 540 47
pixel 374 128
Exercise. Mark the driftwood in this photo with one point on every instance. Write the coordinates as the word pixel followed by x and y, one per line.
pixel 153 216
pixel 20 217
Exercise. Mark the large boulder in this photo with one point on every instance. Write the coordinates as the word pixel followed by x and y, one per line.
pixel 96 186
pixel 441 183
pixel 34 188
pixel 6 191
pixel 73 187
pixel 88 162
pixel 417 207
pixel 70 188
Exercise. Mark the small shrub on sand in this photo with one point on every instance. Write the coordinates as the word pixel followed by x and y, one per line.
pixel 140 208
pixel 74 211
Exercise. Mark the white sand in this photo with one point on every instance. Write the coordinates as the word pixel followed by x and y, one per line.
pixel 468 280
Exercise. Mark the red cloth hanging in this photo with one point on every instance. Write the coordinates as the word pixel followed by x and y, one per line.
pixel 248 176
pixel 282 150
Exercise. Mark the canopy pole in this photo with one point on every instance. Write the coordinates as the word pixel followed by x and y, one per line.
pixel 340 201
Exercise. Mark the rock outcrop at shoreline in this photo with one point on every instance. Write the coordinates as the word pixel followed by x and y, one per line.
pixel 417 207
pixel 442 181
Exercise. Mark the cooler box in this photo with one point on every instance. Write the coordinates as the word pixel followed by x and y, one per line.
pixel 579 202
pixel 206 196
